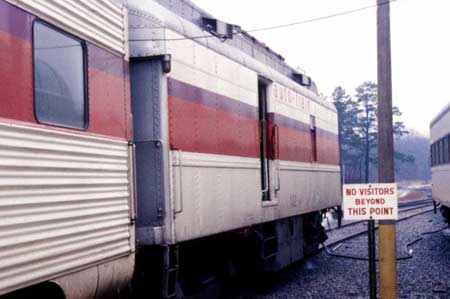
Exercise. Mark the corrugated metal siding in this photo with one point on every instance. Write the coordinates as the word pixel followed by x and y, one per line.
pixel 64 203
pixel 99 21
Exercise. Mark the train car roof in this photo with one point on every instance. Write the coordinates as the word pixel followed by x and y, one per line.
pixel 440 115
pixel 147 37
pixel 99 22
pixel 242 40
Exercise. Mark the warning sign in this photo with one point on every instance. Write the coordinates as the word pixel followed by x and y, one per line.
pixel 370 201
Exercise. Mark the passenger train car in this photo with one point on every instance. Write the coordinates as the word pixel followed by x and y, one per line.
pixel 66 186
pixel 149 138
pixel 440 160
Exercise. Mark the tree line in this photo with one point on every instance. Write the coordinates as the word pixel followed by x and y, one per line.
pixel 358 137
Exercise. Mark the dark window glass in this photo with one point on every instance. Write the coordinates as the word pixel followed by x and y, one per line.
pixel 59 78
pixel 264 140
pixel 438 160
pixel 312 127
pixel 448 150
pixel 445 151
pixel 436 156
pixel 436 153
pixel 431 155
pixel 441 151
pixel 433 150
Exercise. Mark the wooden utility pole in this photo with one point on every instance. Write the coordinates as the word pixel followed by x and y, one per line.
pixel 387 238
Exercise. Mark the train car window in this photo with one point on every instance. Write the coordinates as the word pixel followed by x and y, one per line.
pixel 431 155
pixel 441 151
pixel 59 78
pixel 448 150
pixel 446 157
pixel 312 127
pixel 435 156
pixel 436 150
pixel 438 161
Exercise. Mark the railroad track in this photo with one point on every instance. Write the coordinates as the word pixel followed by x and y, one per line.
pixel 402 208
pixel 405 213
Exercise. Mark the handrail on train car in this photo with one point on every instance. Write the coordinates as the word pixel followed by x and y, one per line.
pixel 276 153
pixel 180 156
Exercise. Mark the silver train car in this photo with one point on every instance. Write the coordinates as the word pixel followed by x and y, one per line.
pixel 181 150
pixel 235 150
pixel 66 158
pixel 440 160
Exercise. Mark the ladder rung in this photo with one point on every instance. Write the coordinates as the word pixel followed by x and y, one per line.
pixel 270 239
pixel 269 256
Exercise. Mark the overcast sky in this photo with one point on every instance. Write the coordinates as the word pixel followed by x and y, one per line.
pixel 342 50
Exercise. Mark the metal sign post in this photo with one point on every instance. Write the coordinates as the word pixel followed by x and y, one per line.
pixel 372 259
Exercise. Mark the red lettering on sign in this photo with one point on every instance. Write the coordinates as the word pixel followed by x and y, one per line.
pixel 350 192
pixel 357 211
pixel 381 211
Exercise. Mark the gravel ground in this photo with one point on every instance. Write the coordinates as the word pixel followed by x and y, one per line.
pixel 426 275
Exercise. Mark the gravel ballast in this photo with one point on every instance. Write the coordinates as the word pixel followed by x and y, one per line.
pixel 426 275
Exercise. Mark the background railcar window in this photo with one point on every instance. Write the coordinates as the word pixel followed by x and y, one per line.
pixel 432 155
pixel 59 78
pixel 436 155
pixel 446 157
pixel 435 159
pixel 447 153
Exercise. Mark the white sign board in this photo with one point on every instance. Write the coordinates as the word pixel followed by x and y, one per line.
pixel 370 201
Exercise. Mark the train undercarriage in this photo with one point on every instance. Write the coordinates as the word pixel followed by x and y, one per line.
pixel 200 268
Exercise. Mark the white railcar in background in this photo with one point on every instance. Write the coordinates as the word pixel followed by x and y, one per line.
pixel 440 160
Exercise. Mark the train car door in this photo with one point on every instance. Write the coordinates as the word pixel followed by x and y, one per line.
pixel 264 138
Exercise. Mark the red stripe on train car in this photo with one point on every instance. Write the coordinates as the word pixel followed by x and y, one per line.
pixel 198 128
pixel 327 148
pixel 108 83
pixel 107 89
pixel 205 122
pixel 16 78
pixel 107 107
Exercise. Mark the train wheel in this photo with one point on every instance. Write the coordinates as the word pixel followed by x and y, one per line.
pixel 445 211
pixel 313 232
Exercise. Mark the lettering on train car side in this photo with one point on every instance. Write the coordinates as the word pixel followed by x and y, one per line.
pixel 370 201
pixel 289 97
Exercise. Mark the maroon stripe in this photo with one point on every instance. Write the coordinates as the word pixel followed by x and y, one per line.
pixel 15 21
pixel 287 122
pixel 210 99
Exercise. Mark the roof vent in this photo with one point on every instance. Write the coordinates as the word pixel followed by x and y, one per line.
pixel 302 79
pixel 218 28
